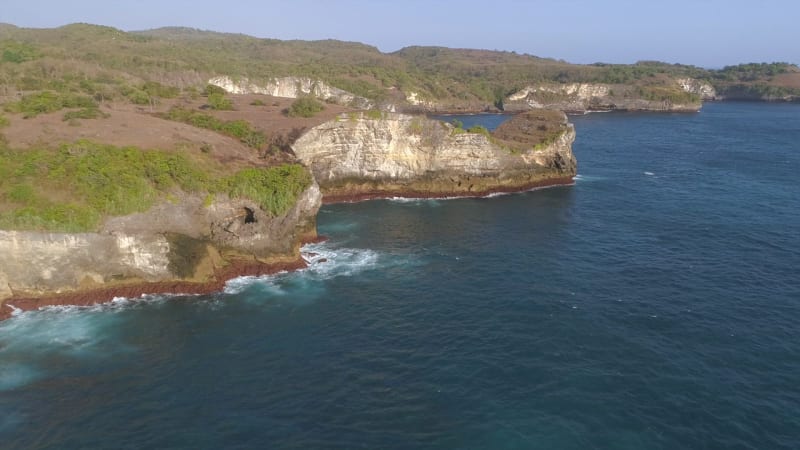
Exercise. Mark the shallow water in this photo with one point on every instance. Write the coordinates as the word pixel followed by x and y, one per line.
pixel 652 305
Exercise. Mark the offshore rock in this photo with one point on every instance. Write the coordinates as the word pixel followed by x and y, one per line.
pixel 359 156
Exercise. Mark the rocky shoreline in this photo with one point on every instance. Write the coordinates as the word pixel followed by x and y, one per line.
pixel 421 195
pixel 96 296
pixel 190 247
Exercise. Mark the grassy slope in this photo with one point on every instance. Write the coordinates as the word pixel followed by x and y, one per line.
pixel 73 187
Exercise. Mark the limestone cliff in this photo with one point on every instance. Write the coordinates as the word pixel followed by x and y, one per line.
pixel 185 240
pixel 364 156
pixel 682 95
pixel 700 88
pixel 292 87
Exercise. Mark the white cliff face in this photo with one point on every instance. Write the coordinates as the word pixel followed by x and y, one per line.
pixel 582 97
pixel 390 148
pixel 697 87
pixel 291 87
pixel 151 246
pixel 413 98
pixel 566 97
pixel 399 151
pixel 55 262
pixel 580 91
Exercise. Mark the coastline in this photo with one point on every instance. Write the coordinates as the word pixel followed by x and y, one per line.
pixel 235 269
pixel 242 267
pixel 328 199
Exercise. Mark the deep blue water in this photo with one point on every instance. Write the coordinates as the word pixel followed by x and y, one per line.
pixel 653 305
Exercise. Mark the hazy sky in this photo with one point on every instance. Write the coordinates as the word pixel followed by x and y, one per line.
pixel 709 33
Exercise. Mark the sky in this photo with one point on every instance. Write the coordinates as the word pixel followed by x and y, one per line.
pixel 706 33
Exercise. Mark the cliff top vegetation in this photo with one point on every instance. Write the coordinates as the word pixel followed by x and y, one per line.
pixel 73 187
pixel 106 62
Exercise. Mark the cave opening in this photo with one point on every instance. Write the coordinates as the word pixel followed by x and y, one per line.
pixel 249 215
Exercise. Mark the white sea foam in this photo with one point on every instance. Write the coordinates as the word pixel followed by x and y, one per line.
pixel 15 375
pixel 433 201
pixel 587 178
pixel 325 261
pixel 31 339
pixel 650 174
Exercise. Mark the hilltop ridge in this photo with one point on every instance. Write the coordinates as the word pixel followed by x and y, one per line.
pixel 451 79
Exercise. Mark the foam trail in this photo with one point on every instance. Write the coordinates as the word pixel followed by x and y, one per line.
pixel 587 178
pixel 15 375
pixel 324 262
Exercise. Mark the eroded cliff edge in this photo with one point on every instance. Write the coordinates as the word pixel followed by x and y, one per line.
pixel 361 156
pixel 186 245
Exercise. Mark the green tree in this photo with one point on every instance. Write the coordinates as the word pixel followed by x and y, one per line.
pixel 218 102
pixel 305 107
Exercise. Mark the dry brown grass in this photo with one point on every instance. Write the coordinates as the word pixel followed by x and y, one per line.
pixel 530 129
pixel 134 125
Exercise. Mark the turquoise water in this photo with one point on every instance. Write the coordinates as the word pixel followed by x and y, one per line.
pixel 653 305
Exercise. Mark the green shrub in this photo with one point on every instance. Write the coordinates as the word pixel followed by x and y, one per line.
pixel 77 101
pixel 4 122
pixel 85 113
pixel 99 179
pixel 35 104
pixel 305 107
pixel 218 102
pixel 210 89
pixel 22 193
pixel 17 52
pixel 138 97
pixel 48 101
pixel 156 89
pixel 374 114
pixel 239 129
pixel 257 102
pixel 275 189
pixel 479 129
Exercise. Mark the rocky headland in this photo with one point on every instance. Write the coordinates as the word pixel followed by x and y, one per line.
pixel 191 243
pixel 189 246
pixel 586 97
pixel 363 156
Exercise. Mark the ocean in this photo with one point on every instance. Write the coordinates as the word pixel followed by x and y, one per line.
pixel 655 304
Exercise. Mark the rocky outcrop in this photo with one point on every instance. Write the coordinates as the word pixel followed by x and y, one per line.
pixel 188 240
pixel 361 156
pixel 702 89
pixel 584 97
pixel 292 87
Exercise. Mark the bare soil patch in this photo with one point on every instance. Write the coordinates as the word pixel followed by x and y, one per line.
pixel 136 125
pixel 789 80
